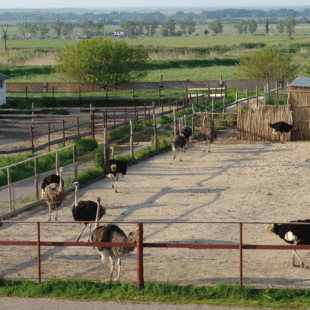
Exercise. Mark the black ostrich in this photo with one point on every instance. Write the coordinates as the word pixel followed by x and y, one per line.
pixel 208 135
pixel 292 233
pixel 85 210
pixel 114 168
pixel 178 143
pixel 53 178
pixel 186 132
pixel 281 127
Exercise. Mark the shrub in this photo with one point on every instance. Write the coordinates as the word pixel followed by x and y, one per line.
pixel 85 145
pixel 89 175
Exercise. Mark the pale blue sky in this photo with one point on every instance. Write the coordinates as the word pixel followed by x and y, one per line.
pixel 180 4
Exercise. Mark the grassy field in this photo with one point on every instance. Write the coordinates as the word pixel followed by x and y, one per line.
pixel 33 60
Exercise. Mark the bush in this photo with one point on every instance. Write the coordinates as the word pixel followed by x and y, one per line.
pixel 85 145
pixel 99 158
pixel 89 175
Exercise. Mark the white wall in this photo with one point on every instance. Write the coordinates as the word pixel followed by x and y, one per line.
pixel 3 92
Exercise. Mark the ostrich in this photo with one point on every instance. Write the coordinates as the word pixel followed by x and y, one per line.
pixel 186 132
pixel 282 127
pixel 112 233
pixel 293 233
pixel 85 211
pixel 114 168
pixel 179 143
pixel 55 195
pixel 53 178
pixel 208 135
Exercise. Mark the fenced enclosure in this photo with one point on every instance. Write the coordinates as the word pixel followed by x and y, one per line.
pixel 135 132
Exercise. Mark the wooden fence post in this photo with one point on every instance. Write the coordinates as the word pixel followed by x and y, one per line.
pixel 105 153
pixel 36 180
pixel 155 133
pixel 213 106
pixel 75 164
pixel 63 131
pixel 247 97
pixel 31 133
pixel 236 100
pixel 133 93
pixel 131 139
pixel 193 121
pixel 256 96
pixel 140 278
pixel 175 122
pixel 49 136
pixel 78 126
pixel 9 188
pixel 32 113
pixel 93 125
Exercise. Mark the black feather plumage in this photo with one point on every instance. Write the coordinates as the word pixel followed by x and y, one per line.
pixel 281 127
pixel 86 211
pixel 53 178
pixel 121 167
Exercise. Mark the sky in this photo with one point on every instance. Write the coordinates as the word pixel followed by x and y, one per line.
pixel 178 4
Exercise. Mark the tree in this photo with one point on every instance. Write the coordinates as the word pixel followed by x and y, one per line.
pixel 87 26
pixel 67 29
pixel 140 25
pixel 57 26
pixel 206 32
pixel 43 28
pixel 98 28
pixel 252 25
pixel 216 26
pixel 129 27
pixel 101 60
pixel 239 25
pixel 25 27
pixel 267 64
pixel 280 26
pixel 168 27
pixel 267 26
pixel 290 24
pixel 153 26
pixel 183 26
pixel 190 26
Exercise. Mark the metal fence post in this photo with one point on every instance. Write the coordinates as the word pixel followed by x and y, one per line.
pixel 39 253
pixel 240 255
pixel 140 277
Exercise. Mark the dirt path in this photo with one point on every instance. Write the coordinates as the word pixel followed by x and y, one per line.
pixel 236 182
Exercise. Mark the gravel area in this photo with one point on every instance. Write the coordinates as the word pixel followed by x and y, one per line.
pixel 237 181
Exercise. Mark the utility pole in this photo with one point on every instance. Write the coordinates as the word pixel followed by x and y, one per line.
pixel 5 31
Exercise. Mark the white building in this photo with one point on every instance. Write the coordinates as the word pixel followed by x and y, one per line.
pixel 119 33
pixel 3 88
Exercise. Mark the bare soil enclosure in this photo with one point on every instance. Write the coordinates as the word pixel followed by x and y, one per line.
pixel 237 181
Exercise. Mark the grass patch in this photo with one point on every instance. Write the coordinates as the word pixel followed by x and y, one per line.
pixel 170 293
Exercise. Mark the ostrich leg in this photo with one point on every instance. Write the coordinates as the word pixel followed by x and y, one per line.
pixel 49 213
pixel 119 262
pixel 80 234
pixel 112 267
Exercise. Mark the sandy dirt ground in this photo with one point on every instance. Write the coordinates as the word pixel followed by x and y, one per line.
pixel 237 181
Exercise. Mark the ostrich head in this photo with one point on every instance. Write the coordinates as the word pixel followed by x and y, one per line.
pixel 132 238
pixel 269 228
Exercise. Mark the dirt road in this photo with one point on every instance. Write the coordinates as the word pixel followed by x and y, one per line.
pixel 236 182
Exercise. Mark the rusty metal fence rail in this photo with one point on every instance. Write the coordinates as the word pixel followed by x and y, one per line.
pixel 140 245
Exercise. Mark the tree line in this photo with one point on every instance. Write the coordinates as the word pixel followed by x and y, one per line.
pixel 115 17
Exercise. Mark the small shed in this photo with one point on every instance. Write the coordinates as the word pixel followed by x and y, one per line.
pixel 3 79
pixel 299 99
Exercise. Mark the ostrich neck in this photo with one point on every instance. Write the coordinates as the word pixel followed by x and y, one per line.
pixel 60 181
pixel 75 196
pixel 97 214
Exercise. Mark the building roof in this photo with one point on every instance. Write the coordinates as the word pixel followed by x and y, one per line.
pixel 301 82
pixel 3 77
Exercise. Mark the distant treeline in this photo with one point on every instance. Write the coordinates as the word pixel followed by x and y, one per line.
pixel 117 17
